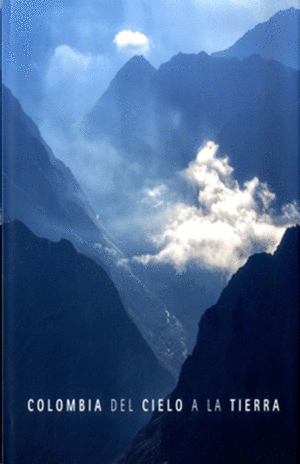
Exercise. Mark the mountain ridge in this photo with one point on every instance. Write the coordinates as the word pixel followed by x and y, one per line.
pixel 247 347
pixel 193 98
pixel 64 313
pixel 274 39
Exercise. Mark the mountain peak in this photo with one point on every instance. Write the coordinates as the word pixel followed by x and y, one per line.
pixel 137 64
pixel 290 242
pixel 140 59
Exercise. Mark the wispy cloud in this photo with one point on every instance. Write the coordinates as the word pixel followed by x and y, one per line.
pixel 71 82
pixel 68 63
pixel 228 223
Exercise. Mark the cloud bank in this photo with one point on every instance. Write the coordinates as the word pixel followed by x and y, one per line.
pixel 226 226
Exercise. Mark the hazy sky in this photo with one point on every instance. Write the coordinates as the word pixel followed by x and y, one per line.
pixel 60 55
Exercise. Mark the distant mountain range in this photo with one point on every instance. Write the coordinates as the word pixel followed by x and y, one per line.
pixel 159 118
pixel 276 39
pixel 67 335
pixel 247 349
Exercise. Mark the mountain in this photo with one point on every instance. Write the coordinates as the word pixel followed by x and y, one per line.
pixel 250 108
pixel 124 115
pixel 276 39
pixel 40 191
pixel 125 110
pixel 247 349
pixel 68 336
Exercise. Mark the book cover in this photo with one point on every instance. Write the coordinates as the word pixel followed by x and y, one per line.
pixel 150 229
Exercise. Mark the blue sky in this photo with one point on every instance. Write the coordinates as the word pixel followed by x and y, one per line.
pixel 60 55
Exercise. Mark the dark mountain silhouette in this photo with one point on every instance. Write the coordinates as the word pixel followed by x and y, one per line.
pixel 67 335
pixel 247 348
pixel 277 39
pixel 250 108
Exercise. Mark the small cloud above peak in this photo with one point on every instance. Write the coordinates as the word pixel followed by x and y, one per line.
pixel 129 39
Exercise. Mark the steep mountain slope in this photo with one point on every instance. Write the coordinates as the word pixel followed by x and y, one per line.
pixel 277 39
pixel 247 349
pixel 41 191
pixel 250 108
pixel 67 336
pixel 38 189
pixel 125 109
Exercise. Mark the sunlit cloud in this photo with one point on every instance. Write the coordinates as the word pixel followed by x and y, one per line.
pixel 136 40
pixel 228 223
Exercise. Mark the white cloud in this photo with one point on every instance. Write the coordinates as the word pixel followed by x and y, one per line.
pixel 135 40
pixel 228 224
pixel 73 82
pixel 67 62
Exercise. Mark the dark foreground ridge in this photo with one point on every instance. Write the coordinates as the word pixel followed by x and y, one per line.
pixel 67 336
pixel 247 349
